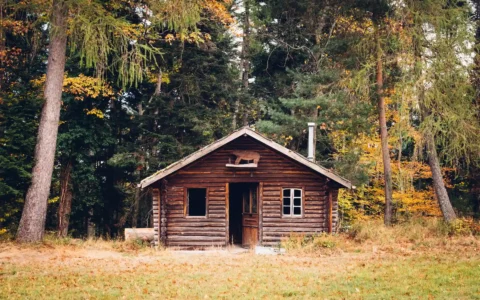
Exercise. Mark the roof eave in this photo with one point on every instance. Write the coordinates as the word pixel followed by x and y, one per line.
pixel 243 131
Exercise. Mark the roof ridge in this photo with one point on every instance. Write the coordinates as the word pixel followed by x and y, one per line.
pixel 233 136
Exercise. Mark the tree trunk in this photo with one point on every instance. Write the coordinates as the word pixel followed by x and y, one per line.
pixel 244 65
pixel 136 208
pixel 65 206
pixel 90 225
pixel 387 168
pixel 245 56
pixel 438 184
pixel 2 43
pixel 32 223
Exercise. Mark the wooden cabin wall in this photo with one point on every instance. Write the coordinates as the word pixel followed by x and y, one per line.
pixel 335 214
pixel 274 170
pixel 314 219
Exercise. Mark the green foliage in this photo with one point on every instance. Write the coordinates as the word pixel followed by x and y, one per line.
pixel 17 141
pixel 311 61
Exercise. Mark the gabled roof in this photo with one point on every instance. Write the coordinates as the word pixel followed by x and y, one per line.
pixel 245 131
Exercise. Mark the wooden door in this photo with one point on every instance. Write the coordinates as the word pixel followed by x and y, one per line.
pixel 250 217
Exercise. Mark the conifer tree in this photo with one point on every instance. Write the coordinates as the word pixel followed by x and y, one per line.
pixel 449 125
pixel 97 35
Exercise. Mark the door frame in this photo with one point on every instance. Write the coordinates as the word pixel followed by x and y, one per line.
pixel 259 211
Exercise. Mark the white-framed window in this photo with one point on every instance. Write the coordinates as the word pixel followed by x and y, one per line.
pixel 292 202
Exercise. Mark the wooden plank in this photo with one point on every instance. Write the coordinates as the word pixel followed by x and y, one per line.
pixel 305 230
pixel 194 244
pixel 260 213
pixel 203 238
pixel 156 215
pixel 227 212
pixel 330 207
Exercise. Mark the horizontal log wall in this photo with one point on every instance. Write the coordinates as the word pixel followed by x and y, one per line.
pixel 314 219
pixel 335 210
pixel 274 171
pixel 156 215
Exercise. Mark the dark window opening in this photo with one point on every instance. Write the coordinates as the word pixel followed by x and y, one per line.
pixel 197 202
pixel 245 162
pixel 250 201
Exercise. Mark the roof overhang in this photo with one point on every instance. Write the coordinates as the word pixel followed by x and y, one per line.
pixel 245 131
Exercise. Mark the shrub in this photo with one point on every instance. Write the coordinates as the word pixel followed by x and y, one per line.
pixel 310 243
pixel 463 227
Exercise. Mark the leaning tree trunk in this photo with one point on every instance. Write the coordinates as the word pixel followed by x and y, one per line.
pixel 387 168
pixel 32 223
pixel 65 206
pixel 438 184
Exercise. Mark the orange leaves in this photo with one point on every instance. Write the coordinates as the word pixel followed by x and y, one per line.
pixel 10 57
pixel 14 27
pixel 218 11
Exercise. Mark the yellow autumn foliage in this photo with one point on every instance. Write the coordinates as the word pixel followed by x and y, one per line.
pixel 219 11
pixel 367 201
pixel 82 87
pixel 95 112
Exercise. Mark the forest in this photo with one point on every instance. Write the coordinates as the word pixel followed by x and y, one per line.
pixel 96 95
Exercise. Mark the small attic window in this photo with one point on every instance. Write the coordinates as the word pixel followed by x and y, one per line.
pixel 196 202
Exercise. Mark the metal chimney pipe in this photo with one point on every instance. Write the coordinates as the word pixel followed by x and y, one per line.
pixel 311 134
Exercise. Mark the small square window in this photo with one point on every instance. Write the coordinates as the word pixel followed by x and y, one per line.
pixel 196 202
pixel 292 202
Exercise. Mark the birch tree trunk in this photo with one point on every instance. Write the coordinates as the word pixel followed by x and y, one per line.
pixel 32 223
pixel 387 168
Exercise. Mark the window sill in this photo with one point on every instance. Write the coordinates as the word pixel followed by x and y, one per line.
pixel 244 166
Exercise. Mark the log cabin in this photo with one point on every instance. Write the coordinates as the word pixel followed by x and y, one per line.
pixel 243 189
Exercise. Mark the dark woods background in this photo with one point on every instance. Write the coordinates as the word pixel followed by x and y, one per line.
pixel 306 61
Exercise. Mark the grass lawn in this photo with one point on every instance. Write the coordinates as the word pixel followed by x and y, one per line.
pixel 365 272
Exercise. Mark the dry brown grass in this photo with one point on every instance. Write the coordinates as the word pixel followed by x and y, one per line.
pixel 414 260
pixel 415 235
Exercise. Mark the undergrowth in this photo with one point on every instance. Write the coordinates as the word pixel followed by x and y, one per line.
pixel 410 235
pixel 51 240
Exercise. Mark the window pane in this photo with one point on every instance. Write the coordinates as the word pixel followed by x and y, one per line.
pixel 254 200
pixel 197 202
pixel 286 210
pixel 246 202
pixel 297 211
pixel 297 193
pixel 297 201
pixel 286 193
pixel 286 201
